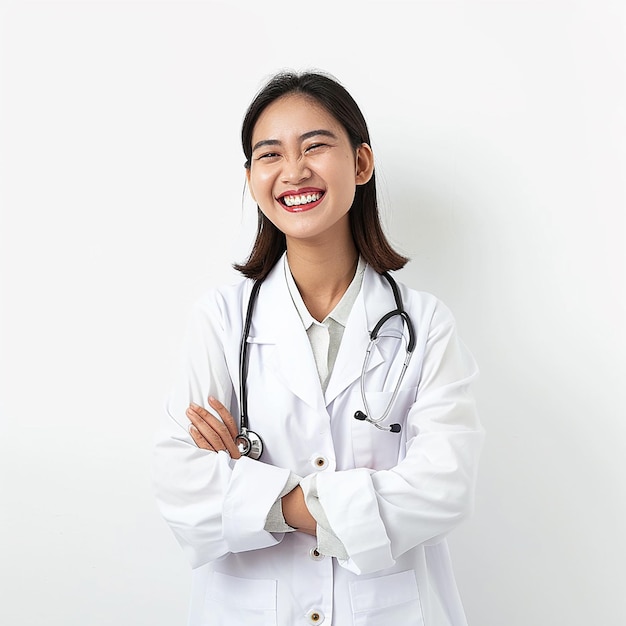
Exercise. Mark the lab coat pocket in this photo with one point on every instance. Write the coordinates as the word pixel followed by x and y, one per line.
pixel 379 449
pixel 392 599
pixel 233 601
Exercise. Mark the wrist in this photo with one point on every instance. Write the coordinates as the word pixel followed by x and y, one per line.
pixel 296 513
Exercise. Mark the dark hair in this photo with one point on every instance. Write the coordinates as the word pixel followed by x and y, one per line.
pixel 365 225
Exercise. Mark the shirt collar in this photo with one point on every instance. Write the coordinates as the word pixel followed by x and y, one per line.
pixel 342 309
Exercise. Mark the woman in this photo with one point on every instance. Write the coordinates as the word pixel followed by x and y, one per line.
pixel 341 520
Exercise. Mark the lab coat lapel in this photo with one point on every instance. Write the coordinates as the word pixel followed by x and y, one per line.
pixel 368 308
pixel 276 321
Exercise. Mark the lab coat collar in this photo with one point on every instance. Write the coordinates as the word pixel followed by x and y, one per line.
pixel 276 321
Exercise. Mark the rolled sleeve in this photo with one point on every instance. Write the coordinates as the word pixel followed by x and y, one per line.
pixel 350 503
pixel 252 491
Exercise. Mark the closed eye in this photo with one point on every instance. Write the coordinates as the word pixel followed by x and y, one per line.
pixel 315 146
pixel 267 155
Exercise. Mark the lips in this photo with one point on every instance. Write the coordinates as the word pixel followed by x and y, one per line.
pixel 299 200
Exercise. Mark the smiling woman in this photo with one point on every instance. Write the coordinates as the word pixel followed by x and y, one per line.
pixel 314 516
pixel 334 104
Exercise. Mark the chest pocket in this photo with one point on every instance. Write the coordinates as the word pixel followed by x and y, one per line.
pixel 392 599
pixel 233 601
pixel 379 449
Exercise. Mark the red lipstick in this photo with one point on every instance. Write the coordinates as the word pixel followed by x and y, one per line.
pixel 291 200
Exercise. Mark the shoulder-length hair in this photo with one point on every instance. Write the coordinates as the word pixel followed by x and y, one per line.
pixel 367 231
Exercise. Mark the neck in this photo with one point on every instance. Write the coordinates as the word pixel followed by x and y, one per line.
pixel 322 274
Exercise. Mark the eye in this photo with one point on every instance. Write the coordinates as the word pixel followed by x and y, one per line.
pixel 315 146
pixel 266 156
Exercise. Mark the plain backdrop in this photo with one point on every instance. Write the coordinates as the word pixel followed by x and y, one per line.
pixel 499 133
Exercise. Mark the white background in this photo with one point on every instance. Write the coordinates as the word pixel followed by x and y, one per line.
pixel 499 132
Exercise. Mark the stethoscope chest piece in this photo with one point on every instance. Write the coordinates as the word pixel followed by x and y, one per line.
pixel 249 444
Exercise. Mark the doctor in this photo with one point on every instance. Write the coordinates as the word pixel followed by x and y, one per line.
pixel 340 520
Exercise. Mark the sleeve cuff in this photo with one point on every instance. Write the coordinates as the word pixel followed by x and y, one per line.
pixel 250 494
pixel 350 504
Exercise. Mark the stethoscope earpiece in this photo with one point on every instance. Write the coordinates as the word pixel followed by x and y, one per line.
pixel 392 428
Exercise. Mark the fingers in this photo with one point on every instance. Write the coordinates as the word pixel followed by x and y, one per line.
pixel 227 418
pixel 216 434
pixel 199 440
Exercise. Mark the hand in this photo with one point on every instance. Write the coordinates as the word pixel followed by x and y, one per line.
pixel 210 433
pixel 296 513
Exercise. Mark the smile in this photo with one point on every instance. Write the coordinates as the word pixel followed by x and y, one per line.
pixel 301 202
pixel 302 199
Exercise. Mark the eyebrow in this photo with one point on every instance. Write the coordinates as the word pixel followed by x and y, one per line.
pixel 308 135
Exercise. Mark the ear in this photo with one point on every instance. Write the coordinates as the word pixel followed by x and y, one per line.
pixel 248 182
pixel 364 164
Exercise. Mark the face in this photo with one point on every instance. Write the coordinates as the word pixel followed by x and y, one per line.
pixel 304 171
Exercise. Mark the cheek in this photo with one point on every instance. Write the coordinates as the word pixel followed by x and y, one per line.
pixel 345 181
pixel 260 185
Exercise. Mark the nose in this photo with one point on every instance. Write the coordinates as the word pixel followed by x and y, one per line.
pixel 295 171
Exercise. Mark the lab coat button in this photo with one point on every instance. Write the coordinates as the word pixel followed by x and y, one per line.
pixel 315 617
pixel 315 554
pixel 320 462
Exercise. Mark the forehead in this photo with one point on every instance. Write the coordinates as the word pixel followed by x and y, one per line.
pixel 293 115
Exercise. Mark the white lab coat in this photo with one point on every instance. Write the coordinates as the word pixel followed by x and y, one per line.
pixel 390 498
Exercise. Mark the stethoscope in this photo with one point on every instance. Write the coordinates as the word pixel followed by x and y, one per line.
pixel 249 442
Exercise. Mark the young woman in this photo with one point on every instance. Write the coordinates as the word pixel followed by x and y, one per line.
pixel 330 499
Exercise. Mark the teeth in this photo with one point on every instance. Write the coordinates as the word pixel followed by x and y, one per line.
pixel 302 199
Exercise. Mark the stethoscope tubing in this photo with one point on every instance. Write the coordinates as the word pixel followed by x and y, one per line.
pixel 376 421
pixel 249 443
